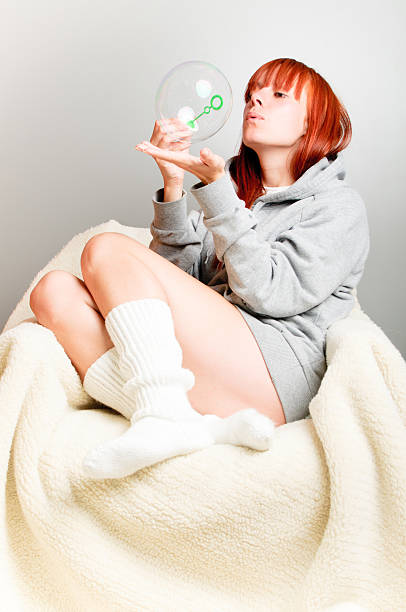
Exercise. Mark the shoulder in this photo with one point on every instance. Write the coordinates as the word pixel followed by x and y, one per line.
pixel 342 200
pixel 338 214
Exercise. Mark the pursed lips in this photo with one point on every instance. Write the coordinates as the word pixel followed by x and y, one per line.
pixel 254 118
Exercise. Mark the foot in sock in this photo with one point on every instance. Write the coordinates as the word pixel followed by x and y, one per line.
pixel 146 442
pixel 246 427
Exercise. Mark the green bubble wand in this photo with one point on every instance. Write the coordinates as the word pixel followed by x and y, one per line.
pixel 206 110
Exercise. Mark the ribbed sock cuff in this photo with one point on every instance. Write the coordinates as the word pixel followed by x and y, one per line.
pixel 133 400
pixel 149 358
pixel 144 335
pixel 103 382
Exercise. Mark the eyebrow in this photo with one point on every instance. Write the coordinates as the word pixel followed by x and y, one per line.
pixel 282 89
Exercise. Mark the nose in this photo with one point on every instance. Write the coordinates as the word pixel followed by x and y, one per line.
pixel 255 102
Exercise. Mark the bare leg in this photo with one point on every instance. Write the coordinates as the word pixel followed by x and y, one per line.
pixel 83 336
pixel 63 303
pixel 120 278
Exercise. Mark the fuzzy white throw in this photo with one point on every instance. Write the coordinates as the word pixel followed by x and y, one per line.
pixel 318 519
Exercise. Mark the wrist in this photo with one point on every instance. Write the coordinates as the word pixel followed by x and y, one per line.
pixel 172 191
pixel 174 180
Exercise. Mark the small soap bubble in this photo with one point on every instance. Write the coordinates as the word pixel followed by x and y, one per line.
pixel 203 88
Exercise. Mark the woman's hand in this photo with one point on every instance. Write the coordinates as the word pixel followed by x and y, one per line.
pixel 208 168
pixel 170 134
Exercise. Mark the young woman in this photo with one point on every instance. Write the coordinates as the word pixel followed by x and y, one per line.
pixel 242 291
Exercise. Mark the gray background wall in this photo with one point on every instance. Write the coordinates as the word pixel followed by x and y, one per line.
pixel 78 83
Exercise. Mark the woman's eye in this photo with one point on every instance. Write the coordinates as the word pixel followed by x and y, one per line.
pixel 276 92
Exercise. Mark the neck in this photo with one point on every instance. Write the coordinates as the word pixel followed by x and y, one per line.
pixel 274 167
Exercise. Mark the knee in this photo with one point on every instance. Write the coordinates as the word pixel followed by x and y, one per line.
pixel 97 247
pixel 107 245
pixel 48 297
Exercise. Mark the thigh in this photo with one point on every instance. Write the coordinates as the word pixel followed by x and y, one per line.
pixel 217 344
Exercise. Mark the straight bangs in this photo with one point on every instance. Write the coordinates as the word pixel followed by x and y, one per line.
pixel 278 76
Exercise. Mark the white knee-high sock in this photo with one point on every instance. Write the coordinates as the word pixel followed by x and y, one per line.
pixel 148 359
pixel 133 377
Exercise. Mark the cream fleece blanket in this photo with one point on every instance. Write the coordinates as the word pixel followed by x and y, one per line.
pixel 318 519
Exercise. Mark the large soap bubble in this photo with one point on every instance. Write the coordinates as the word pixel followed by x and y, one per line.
pixel 198 94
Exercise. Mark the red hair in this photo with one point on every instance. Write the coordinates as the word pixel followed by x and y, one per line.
pixel 328 126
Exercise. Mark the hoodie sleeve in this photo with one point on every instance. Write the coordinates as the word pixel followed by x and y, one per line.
pixel 302 266
pixel 175 235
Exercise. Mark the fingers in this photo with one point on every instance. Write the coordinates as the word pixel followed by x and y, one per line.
pixel 175 134
pixel 173 126
pixel 171 134
pixel 206 168
pixel 156 134
pixel 160 152
pixel 183 160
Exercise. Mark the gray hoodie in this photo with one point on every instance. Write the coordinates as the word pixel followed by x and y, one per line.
pixel 290 261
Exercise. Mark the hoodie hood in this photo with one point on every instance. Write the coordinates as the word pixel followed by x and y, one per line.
pixel 325 175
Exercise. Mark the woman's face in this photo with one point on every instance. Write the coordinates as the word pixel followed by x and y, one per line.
pixel 282 122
